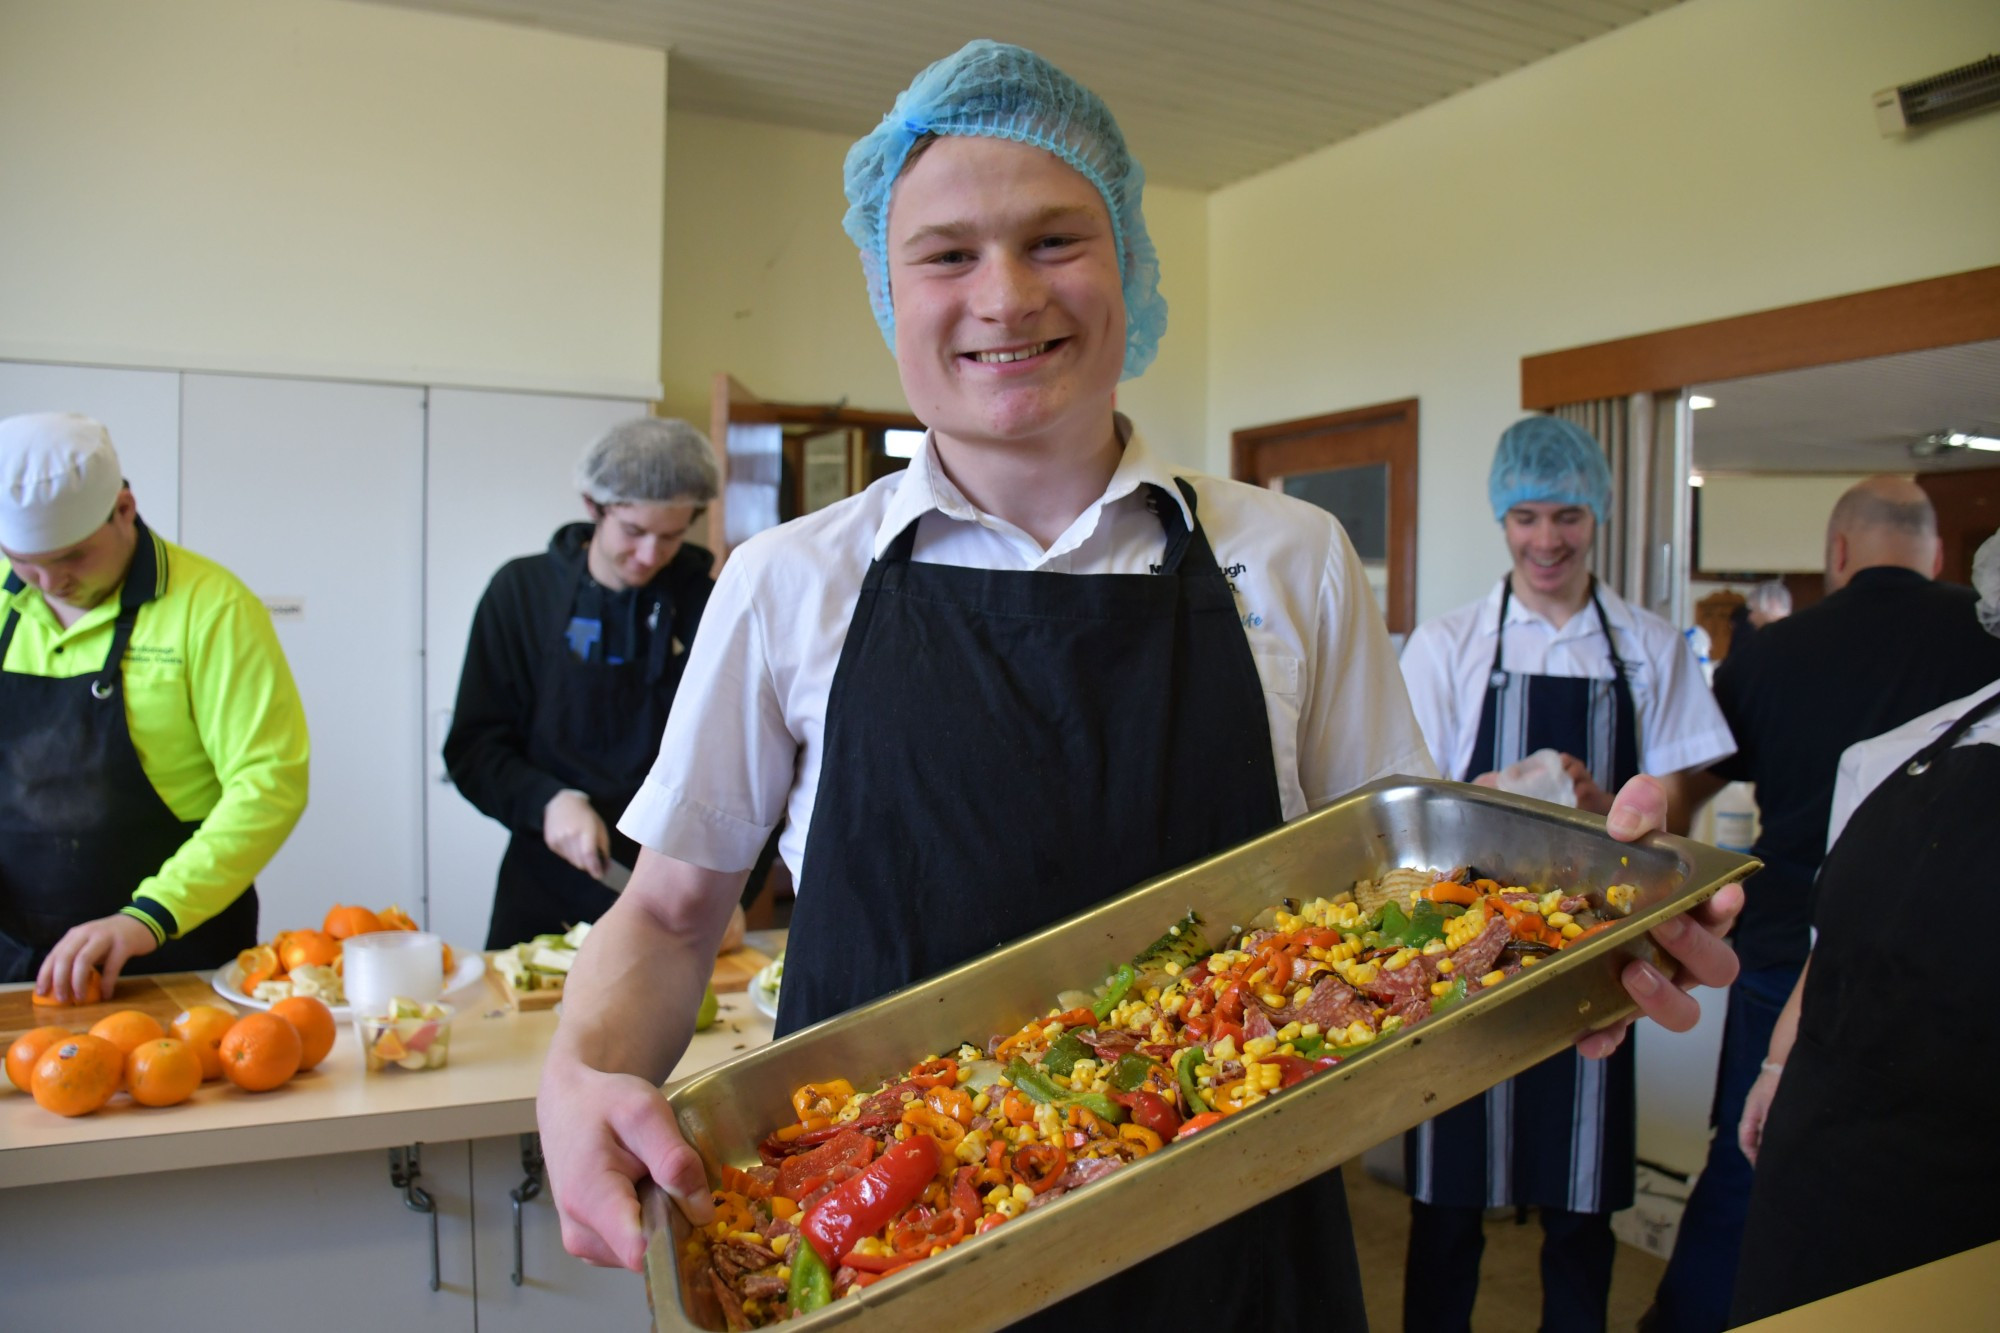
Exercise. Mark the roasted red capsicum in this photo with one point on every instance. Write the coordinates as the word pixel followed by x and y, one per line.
pixel 863 1206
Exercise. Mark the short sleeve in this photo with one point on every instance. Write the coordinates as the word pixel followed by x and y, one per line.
pixel 1427 676
pixel 1681 724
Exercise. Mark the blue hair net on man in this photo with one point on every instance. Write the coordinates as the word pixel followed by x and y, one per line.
pixel 1548 459
pixel 990 90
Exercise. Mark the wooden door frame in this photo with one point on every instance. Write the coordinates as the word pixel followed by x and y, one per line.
pixel 1267 444
pixel 1910 317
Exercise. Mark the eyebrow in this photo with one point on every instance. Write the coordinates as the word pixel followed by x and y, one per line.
pixel 956 231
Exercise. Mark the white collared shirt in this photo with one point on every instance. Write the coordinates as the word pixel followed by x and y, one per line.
pixel 1448 662
pixel 1864 764
pixel 745 741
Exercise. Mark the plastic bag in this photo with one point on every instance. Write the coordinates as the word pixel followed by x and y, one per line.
pixel 1541 776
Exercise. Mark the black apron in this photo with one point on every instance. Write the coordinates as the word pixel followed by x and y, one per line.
pixel 80 823
pixel 596 727
pixel 1006 748
pixel 1565 1133
pixel 1877 1153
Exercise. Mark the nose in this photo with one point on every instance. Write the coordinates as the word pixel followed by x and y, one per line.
pixel 1007 289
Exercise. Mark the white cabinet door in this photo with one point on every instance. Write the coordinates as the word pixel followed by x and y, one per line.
pixel 141 409
pixel 556 1290
pixel 498 485
pixel 305 1245
pixel 312 493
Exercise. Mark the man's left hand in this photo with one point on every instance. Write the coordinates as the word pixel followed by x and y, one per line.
pixel 1693 941
pixel 106 944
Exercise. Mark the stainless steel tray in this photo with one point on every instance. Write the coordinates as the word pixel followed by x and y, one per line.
pixel 1041 1256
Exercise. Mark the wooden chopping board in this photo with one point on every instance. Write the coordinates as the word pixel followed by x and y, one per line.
pixel 162 996
pixel 733 973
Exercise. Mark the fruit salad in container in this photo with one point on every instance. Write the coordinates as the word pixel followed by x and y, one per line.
pixel 410 1036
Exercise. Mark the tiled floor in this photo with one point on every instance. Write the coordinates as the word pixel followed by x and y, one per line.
pixel 1510 1296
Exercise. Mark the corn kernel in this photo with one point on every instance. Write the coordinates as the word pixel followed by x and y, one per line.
pixel 784 1272
pixel 1224 1049
pixel 1270 1076
pixel 1434 947
pixel 1022 1193
pixel 1493 978
pixel 1290 1032
pixel 1259 1047
pixel 1308 1029
pixel 1358 1031
pixel 902 1132
pixel 1572 930
pixel 1173 969
pixel 1440 988
pixel 980 1101
pixel 1447 967
pixel 1007 1207
pixel 1560 918
pixel 1530 961
pixel 1258 976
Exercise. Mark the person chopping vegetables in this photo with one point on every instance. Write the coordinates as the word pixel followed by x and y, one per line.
pixel 996 688
pixel 1884 1055
pixel 570 672
pixel 153 749
pixel 1549 659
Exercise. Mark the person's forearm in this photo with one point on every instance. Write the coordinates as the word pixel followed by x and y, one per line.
pixel 490 768
pixel 1786 1030
pixel 630 1001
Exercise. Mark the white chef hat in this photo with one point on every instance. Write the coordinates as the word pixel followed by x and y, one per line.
pixel 59 480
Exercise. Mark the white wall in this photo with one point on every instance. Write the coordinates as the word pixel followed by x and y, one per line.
pixel 1717 158
pixel 1767 523
pixel 762 282
pixel 320 187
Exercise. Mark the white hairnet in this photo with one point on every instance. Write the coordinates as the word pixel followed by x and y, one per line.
pixel 59 481
pixel 1986 578
pixel 648 460
pixel 1771 597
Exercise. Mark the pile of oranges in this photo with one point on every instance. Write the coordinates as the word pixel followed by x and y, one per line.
pixel 76 1073
pixel 294 949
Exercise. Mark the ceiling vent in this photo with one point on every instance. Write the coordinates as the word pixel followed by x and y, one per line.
pixel 1967 88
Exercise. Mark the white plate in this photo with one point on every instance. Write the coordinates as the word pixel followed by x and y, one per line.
pixel 228 982
pixel 763 993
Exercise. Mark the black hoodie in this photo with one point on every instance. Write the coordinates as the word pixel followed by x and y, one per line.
pixel 533 638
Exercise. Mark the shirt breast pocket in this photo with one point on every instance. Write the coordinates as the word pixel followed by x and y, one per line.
pixel 1277 673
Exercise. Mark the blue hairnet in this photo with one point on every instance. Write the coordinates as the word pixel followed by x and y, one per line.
pixel 995 91
pixel 1548 459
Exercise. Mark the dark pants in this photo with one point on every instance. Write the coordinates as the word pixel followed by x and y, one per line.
pixel 1694 1294
pixel 1441 1275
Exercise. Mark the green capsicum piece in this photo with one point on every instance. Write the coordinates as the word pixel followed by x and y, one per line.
pixel 1062 1056
pixel 1039 1087
pixel 1189 1082
pixel 1121 985
pixel 1394 923
pixel 1456 995
pixel 1130 1071
pixel 811 1285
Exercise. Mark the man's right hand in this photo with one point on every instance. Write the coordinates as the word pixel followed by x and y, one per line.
pixel 616 1131
pixel 573 831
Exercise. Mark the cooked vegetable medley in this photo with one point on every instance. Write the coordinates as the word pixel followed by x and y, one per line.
pixel 862 1183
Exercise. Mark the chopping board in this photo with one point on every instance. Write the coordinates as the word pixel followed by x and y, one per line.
pixel 164 997
pixel 733 973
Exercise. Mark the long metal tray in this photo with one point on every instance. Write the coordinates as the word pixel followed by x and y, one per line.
pixel 1051 1252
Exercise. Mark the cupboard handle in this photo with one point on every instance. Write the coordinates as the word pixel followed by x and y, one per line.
pixel 405 1168
pixel 530 1187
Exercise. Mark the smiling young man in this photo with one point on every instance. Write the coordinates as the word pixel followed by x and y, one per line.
pixel 572 666
pixel 1549 659
pixel 996 688
pixel 153 749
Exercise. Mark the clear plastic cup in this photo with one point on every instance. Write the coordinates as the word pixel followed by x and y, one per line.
pixel 386 965
pixel 392 1044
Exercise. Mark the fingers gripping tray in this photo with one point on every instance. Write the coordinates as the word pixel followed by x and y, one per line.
pixel 992 1279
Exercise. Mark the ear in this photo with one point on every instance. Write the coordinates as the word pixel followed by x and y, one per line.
pixel 1937 559
pixel 1836 554
pixel 594 509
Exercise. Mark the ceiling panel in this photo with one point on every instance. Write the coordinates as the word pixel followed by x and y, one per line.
pixel 1207 92
pixel 1859 416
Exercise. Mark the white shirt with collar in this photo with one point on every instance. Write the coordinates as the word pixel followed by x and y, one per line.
pixel 744 743
pixel 1864 764
pixel 1448 661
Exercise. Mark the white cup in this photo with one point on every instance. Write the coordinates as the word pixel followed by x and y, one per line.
pixel 385 965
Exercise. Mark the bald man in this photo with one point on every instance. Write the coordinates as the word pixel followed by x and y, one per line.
pixel 1888 643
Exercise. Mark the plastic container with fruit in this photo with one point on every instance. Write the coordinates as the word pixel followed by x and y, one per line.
pixel 411 1036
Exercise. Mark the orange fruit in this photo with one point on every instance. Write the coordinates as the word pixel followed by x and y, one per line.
pixel 307 948
pixel 201 1027
pixel 344 921
pixel 260 1051
pixel 93 993
pixel 395 918
pixel 76 1075
pixel 258 965
pixel 314 1022
pixel 26 1050
pixel 162 1073
pixel 126 1029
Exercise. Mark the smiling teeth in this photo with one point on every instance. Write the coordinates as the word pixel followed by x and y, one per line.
pixel 1002 358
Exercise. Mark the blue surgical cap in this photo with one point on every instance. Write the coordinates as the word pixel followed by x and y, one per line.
pixel 1548 459
pixel 995 91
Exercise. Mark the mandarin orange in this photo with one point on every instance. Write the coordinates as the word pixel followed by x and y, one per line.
pixel 314 1022
pixel 76 1075
pixel 307 948
pixel 127 1028
pixel 162 1073
pixel 258 966
pixel 201 1027
pixel 343 921
pixel 395 918
pixel 93 993
pixel 26 1050
pixel 260 1052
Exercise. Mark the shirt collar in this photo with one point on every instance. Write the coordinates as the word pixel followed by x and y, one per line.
pixel 145 580
pixel 925 488
pixel 1581 625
